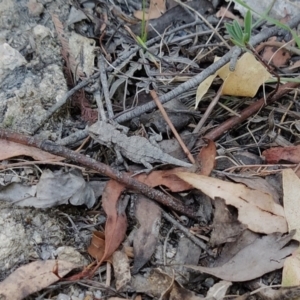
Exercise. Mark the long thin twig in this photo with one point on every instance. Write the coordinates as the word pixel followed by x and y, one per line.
pixel 185 231
pixel 211 106
pixel 167 119
pixel 83 160
pixel 102 65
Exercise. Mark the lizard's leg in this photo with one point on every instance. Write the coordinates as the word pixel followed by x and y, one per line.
pixel 147 165
pixel 155 137
pixel 120 160
pixel 121 128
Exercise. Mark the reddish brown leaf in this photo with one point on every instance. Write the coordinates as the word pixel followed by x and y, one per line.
pixel 116 222
pixel 33 277
pixel 156 9
pixel 166 178
pixel 10 149
pixel 207 157
pixel 279 57
pixel 71 62
pixel 275 155
pixel 97 246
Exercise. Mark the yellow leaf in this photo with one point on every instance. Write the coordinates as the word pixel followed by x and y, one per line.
pixel 204 85
pixel 248 76
pixel 203 88
pixel 245 80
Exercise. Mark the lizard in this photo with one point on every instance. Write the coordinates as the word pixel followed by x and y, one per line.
pixel 136 148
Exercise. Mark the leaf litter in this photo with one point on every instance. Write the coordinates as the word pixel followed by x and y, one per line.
pixel 256 209
pixel 33 277
pixel 247 235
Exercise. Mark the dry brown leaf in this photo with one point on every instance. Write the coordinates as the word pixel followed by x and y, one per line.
pixel 148 215
pixel 11 149
pixel 256 209
pixel 66 51
pixel 264 255
pixel 33 277
pixel 291 200
pixel 116 222
pixel 207 157
pixel 203 88
pixel 205 85
pixel 224 12
pixel 156 9
pixel 226 229
pixel 97 247
pixel 256 183
pixel 162 286
pixel 218 290
pixel 288 154
pixel 166 178
pixel 280 57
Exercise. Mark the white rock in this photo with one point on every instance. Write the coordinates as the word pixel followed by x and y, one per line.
pixel 279 10
pixel 10 59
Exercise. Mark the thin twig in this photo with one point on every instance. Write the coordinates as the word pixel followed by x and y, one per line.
pixel 73 138
pixel 23 164
pixel 101 111
pixel 186 232
pixel 211 106
pixel 167 119
pixel 103 78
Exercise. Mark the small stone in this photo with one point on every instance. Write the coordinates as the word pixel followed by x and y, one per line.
pixel 35 8
pixel 40 32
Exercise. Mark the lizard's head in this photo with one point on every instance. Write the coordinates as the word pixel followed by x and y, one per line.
pixel 99 134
